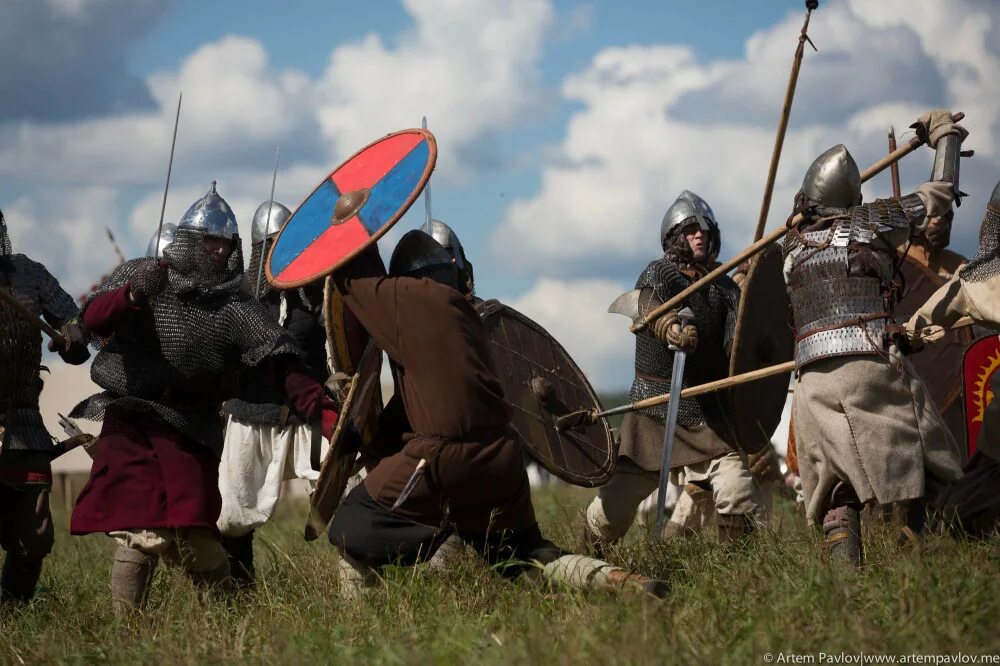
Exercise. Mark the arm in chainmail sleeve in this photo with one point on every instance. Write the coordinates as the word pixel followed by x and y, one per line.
pixel 945 306
pixel 58 307
pixel 732 312
pixel 105 312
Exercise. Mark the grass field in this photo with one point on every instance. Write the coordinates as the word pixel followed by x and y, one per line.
pixel 777 595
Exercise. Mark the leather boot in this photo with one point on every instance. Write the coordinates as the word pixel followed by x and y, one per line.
pixel 19 578
pixel 217 580
pixel 131 578
pixel 733 529
pixel 240 552
pixel 842 527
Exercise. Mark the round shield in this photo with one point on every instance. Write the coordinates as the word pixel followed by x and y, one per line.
pixel 939 364
pixel 763 338
pixel 352 208
pixel 356 427
pixel 542 383
pixel 979 366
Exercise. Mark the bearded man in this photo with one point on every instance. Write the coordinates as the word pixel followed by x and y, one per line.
pixel 176 335
pixel 26 448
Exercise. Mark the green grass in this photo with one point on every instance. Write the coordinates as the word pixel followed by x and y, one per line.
pixel 776 595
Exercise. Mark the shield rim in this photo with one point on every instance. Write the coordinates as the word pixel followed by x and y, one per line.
pixel 315 523
pixel 738 338
pixel 495 306
pixel 970 443
pixel 381 231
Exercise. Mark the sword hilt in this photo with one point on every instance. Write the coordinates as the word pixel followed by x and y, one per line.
pixel 686 315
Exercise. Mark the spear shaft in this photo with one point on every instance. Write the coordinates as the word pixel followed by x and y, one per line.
pixel 894 169
pixel 170 167
pixel 775 235
pixel 786 112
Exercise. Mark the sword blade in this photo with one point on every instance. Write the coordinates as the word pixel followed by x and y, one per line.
pixel 670 423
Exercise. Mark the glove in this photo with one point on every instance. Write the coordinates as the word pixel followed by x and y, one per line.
pixel 935 124
pixel 149 279
pixel 937 197
pixel 764 465
pixel 668 328
pixel 329 418
pixel 74 351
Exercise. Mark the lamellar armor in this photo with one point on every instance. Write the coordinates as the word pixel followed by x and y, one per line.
pixel 21 427
pixel 715 309
pixel 840 261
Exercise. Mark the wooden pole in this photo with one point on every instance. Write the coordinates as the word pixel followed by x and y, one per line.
pixel 775 235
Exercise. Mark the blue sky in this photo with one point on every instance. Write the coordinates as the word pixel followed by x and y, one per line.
pixel 566 128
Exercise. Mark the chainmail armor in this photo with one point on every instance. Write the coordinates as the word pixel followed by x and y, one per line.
pixel 715 310
pixel 841 277
pixel 986 264
pixel 258 254
pixel 21 348
pixel 181 356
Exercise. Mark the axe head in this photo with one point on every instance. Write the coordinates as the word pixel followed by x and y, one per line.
pixel 627 304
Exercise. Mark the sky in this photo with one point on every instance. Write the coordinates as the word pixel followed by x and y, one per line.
pixel 565 129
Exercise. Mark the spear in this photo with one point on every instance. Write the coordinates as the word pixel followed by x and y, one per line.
pixel 894 169
pixel 170 166
pixel 786 112
pixel 427 188
pixel 775 235
pixel 114 244
pixel 270 204
pixel 587 417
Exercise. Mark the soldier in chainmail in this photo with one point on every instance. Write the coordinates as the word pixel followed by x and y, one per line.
pixel 266 443
pixel 972 503
pixel 174 337
pixel 704 451
pixel 865 425
pixel 26 448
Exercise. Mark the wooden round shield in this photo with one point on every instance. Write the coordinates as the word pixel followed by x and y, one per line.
pixel 764 337
pixel 352 208
pixel 356 427
pixel 939 364
pixel 542 383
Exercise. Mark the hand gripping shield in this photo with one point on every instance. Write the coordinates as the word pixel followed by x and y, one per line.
pixel 763 338
pixel 939 364
pixel 542 383
pixel 355 428
pixel 352 208
pixel 979 367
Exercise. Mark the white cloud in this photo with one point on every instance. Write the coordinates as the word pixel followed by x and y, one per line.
pixel 470 66
pixel 655 121
pixel 575 313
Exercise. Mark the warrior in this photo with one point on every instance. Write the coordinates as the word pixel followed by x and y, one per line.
pixel 974 291
pixel 704 451
pixel 26 448
pixel 266 443
pixel 448 239
pixel 865 426
pixel 452 462
pixel 175 335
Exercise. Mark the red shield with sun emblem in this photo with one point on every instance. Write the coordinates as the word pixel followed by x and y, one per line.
pixel 981 361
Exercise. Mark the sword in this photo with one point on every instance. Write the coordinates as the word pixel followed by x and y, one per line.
pixel 170 166
pixel 427 187
pixel 676 382
pixel 270 204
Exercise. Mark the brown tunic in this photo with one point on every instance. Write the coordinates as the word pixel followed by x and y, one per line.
pixel 454 403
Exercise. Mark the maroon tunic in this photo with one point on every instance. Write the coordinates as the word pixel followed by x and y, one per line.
pixel 453 401
pixel 146 474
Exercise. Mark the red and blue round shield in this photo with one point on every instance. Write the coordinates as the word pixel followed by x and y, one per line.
pixel 381 181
